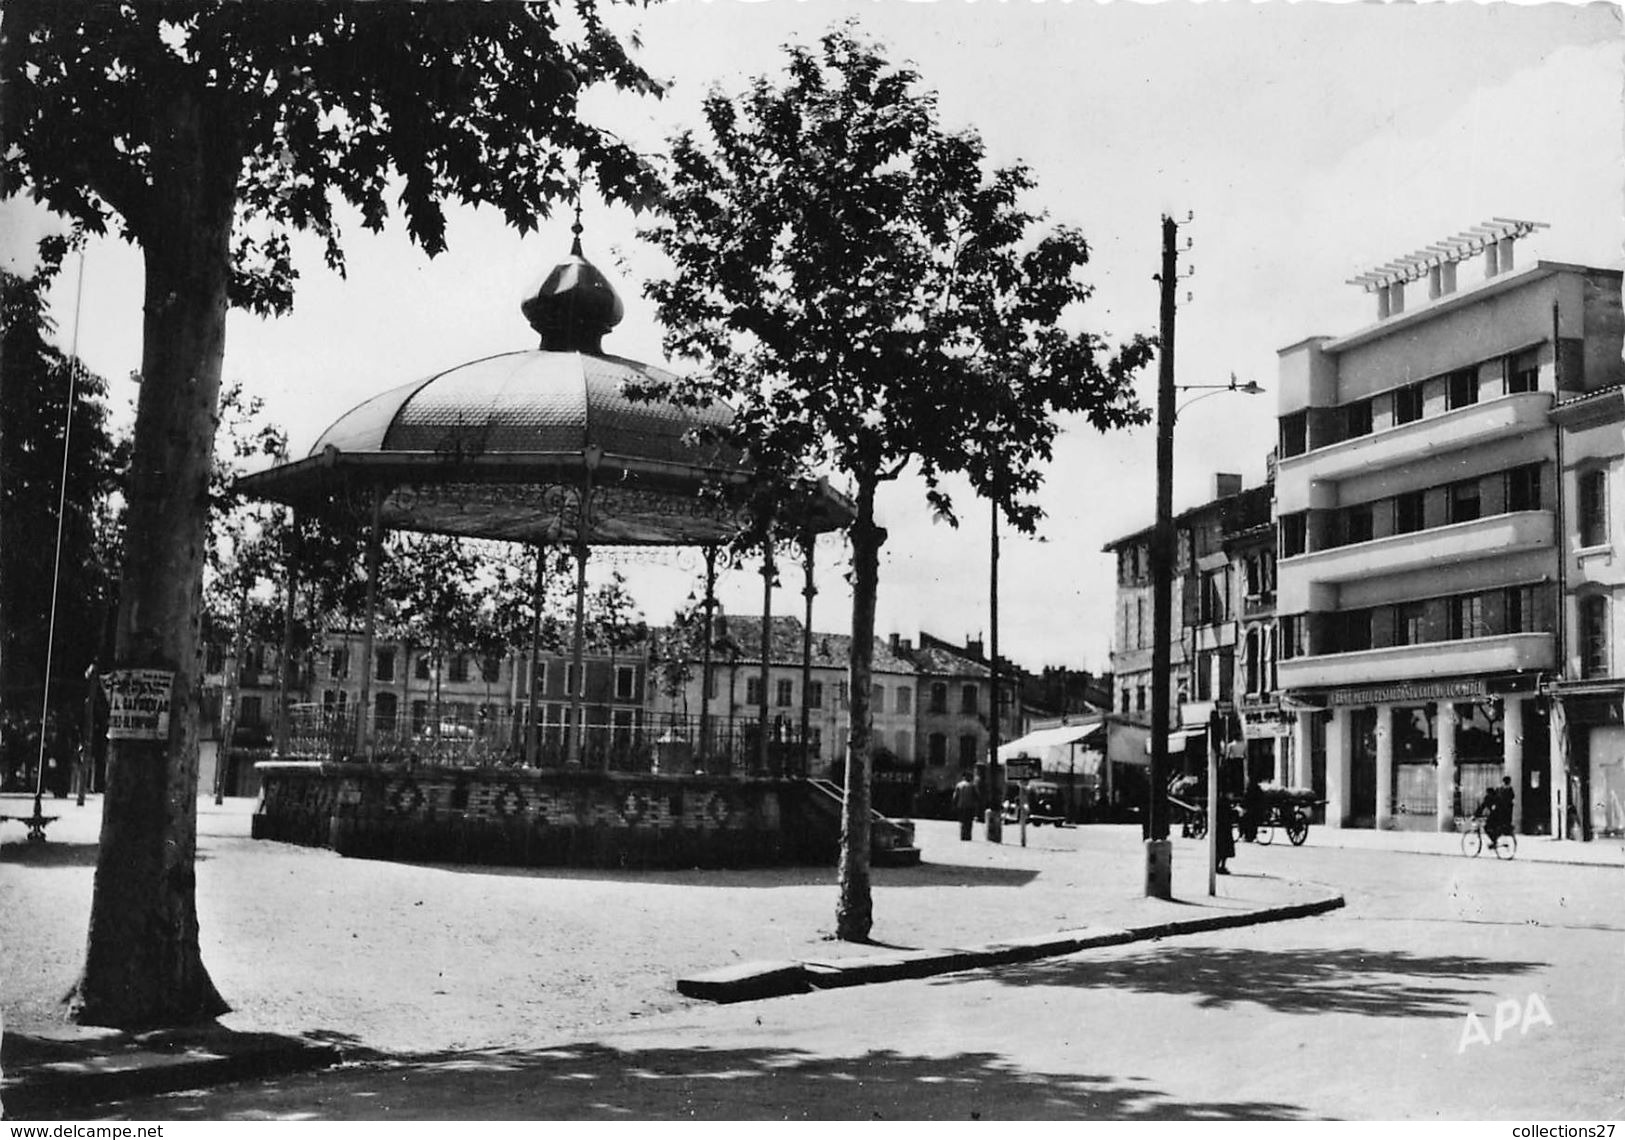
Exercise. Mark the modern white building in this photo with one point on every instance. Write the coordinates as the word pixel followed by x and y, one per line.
pixel 1420 514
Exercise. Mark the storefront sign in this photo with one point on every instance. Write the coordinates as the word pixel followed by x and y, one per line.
pixel 138 704
pixel 1265 722
pixel 1410 692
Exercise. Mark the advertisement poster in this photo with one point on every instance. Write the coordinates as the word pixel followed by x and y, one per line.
pixel 138 704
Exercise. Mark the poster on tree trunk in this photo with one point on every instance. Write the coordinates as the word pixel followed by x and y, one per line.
pixel 138 704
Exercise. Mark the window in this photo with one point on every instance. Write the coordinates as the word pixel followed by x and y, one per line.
pixel 420 715
pixel 1294 535
pixel 626 680
pixel 1408 514
pixel 1213 608
pixel 1357 524
pixel 384 665
pixel 490 669
pixel 1593 507
pixel 937 749
pixel 338 664
pixel 877 699
pixel 1357 419
pixel 575 680
pixel 1410 623
pixel 1356 631
pixel 1466 617
pixel 1294 434
pixel 905 700
pixel 1523 488
pixel 939 697
pixel 1291 637
pixel 1594 636
pixel 815 694
pixel 1204 675
pixel 1520 609
pixel 1523 372
pixel 1463 501
pixel 754 694
pixel 1139 699
pixel 384 711
pixel 841 694
pixel 1461 388
pixel 250 711
pixel 1408 404
pixel 459 668
pixel 784 693
pixel 421 671
pixel 1127 701
pixel 967 700
pixel 967 751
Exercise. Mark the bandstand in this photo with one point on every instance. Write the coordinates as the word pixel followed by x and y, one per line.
pixel 551 448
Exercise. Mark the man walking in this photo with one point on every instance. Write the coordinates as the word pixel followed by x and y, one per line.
pixel 965 804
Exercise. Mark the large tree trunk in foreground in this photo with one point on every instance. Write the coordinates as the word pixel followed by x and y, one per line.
pixel 142 963
pixel 854 913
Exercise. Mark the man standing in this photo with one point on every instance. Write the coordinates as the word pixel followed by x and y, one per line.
pixel 965 804
pixel 1498 804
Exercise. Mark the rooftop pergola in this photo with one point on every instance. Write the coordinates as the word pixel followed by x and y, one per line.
pixel 548 447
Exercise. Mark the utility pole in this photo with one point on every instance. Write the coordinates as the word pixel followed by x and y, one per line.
pixel 1158 847
pixel 995 770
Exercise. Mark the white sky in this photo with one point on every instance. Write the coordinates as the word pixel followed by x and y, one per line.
pixel 1309 140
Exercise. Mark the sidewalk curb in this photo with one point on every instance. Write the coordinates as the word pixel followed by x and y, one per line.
pixel 752 981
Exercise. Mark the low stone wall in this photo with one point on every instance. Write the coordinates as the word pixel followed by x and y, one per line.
pixel 530 817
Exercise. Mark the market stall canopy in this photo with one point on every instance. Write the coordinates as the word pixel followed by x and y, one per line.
pixel 1058 748
pixel 506 447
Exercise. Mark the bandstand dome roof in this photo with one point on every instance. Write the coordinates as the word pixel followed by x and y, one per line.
pixel 507 446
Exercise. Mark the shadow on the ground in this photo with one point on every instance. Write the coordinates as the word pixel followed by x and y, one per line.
pixel 1375 983
pixel 582 1082
pixel 51 853
pixel 923 875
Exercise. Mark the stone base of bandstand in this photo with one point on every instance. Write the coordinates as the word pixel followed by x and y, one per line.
pixel 542 817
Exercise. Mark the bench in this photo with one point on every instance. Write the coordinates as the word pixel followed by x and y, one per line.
pixel 36 824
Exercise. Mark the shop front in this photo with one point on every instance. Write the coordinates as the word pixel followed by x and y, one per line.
pixel 1420 755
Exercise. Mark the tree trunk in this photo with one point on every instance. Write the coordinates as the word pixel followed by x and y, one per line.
pixel 142 963
pixel 854 913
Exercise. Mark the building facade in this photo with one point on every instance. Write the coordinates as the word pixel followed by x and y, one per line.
pixel 1418 532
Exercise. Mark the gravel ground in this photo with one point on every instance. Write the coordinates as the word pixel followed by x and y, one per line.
pixel 417 958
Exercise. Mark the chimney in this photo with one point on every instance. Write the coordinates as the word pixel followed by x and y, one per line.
pixel 893 643
pixel 1447 278
pixel 1383 303
pixel 1492 263
pixel 973 646
pixel 1504 249
pixel 1435 282
pixel 1396 298
pixel 1225 485
pixel 908 646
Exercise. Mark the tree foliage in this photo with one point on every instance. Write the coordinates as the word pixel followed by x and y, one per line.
pixel 36 379
pixel 207 133
pixel 873 299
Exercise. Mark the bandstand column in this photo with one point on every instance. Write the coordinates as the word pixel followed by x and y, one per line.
pixel 767 657
pixel 532 733
pixel 375 541
pixel 1444 792
pixel 284 677
pixel 808 591
pixel 1385 767
pixel 578 654
pixel 703 758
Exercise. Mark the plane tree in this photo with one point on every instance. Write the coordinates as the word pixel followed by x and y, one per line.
pixel 207 133
pixel 874 299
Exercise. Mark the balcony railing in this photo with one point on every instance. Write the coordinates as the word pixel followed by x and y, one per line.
pixel 656 743
pixel 1503 653
pixel 1492 537
pixel 1453 431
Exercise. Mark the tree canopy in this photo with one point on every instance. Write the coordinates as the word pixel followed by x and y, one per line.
pixel 873 298
pixel 207 133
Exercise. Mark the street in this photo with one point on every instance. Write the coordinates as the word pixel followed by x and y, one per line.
pixel 1362 1013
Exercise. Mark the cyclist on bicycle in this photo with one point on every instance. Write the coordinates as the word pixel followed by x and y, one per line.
pixel 1497 810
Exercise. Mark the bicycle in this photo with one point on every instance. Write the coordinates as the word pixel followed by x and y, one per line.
pixel 1472 841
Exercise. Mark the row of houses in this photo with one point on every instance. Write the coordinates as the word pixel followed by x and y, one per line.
pixel 660 704
pixel 1428 592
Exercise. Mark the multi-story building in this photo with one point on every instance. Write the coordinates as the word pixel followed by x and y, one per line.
pixel 1588 788
pixel 1221 654
pixel 956 706
pixel 796 682
pixel 1417 502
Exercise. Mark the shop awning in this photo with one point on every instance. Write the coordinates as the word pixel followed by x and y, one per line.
pixel 1057 748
